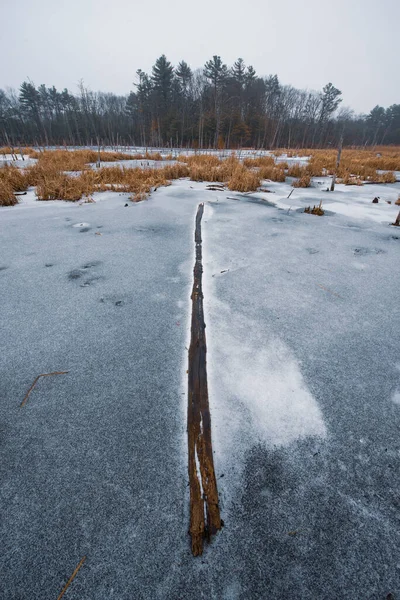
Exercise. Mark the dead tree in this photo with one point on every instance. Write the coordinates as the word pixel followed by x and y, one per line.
pixel 339 154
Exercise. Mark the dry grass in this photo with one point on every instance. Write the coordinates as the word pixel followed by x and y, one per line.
pixel 316 210
pixel 362 163
pixel 267 169
pixel 303 182
pixel 295 171
pixel 200 160
pixel 140 182
pixel 350 180
pixel 273 173
pixel 211 168
pixel 7 196
pixel 17 151
pixel 52 180
pixel 244 180
pixel 205 173
pixel 84 156
pixel 388 177
pixel 52 184
pixel 7 150
pixel 175 171
pixel 16 178
pixel 151 156
pixel 56 185
pixel 12 180
pixel 261 161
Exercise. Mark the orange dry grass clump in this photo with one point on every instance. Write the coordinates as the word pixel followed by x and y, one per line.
pixel 303 182
pixel 355 163
pixel 52 180
pixel 12 180
pixel 261 161
pixel 231 170
pixel 363 163
pixel 175 171
pixel 200 160
pixel 216 170
pixel 7 150
pixel 273 173
pixel 7 196
pixel 139 182
pixel 388 177
pixel 15 177
pixel 205 173
pixel 151 156
pixel 295 171
pixel 350 180
pixel 54 184
pixel 57 185
pixel 243 180
pixel 87 156
pixel 206 167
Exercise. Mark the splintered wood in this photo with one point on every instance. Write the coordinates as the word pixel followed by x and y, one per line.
pixel 205 517
pixel 70 580
pixel 25 400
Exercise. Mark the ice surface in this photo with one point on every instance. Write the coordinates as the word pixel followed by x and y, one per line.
pixel 302 317
pixel 248 387
pixel 349 201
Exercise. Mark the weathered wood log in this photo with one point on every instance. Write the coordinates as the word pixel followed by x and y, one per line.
pixel 205 517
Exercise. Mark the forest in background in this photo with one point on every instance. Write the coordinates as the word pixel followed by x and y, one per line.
pixel 213 107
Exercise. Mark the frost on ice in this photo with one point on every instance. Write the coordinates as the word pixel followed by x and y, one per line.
pixel 257 390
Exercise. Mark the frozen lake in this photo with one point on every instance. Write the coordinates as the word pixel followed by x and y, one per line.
pixel 303 318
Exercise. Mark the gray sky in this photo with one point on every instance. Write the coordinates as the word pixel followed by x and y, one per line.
pixel 352 43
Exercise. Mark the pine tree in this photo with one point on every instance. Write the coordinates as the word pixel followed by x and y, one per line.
pixel 184 75
pixel 330 101
pixel 162 77
pixel 216 72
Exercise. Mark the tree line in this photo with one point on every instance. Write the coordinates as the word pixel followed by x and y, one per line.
pixel 213 107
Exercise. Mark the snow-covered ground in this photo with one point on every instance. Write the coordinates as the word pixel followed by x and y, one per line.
pixel 302 317
pixel 347 200
pixel 8 159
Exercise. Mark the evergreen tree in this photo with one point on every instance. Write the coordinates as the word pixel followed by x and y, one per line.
pixel 213 106
pixel 216 72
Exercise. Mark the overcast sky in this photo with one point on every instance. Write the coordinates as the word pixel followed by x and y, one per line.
pixel 352 43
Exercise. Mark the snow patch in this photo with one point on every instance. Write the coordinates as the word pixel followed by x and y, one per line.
pixel 396 397
pixel 257 390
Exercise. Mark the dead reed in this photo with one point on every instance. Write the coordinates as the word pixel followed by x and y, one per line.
pixel 67 174
pixel 12 180
pixel 244 180
pixel 303 182
pixel 7 196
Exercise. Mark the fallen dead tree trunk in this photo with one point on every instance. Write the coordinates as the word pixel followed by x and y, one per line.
pixel 205 517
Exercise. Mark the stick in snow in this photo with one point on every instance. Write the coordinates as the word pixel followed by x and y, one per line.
pixel 74 574
pixel 24 401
